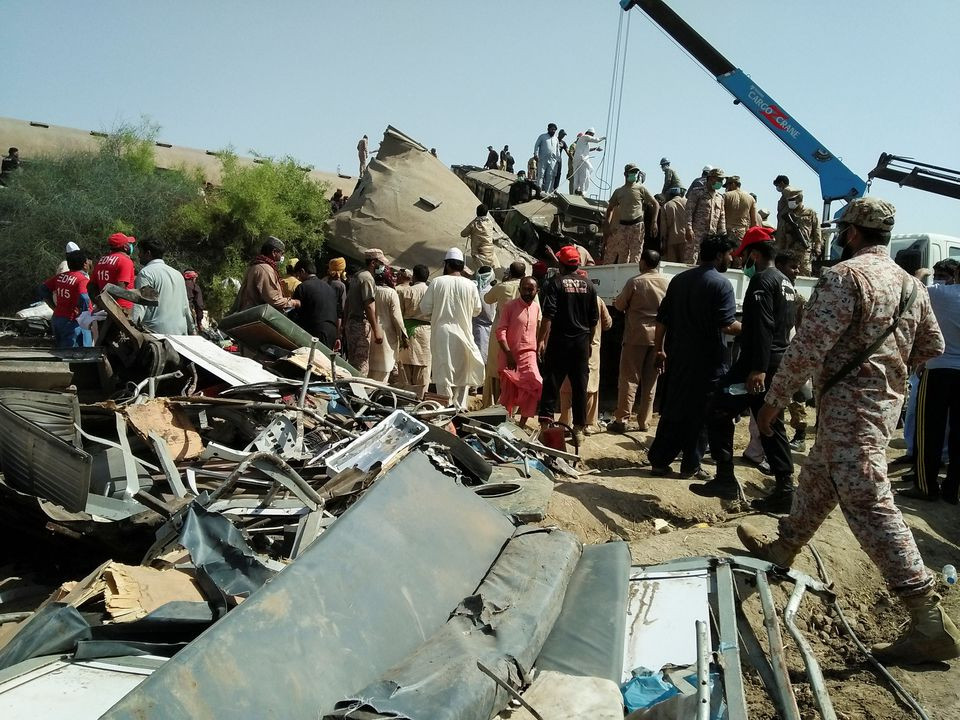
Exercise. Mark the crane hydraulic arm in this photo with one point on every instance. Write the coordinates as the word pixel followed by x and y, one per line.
pixel 837 181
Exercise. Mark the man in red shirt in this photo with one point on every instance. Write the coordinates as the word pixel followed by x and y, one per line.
pixel 68 293
pixel 117 267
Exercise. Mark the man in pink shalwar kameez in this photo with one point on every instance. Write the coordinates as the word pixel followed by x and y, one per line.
pixel 520 380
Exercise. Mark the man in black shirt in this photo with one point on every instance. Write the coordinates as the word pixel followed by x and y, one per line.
pixel 570 312
pixel 320 311
pixel 766 323
pixel 698 309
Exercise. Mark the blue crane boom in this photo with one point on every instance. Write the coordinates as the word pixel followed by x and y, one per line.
pixel 837 181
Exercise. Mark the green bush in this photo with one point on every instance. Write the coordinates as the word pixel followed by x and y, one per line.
pixel 85 196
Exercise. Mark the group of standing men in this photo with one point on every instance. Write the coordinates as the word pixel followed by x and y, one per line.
pixel 867 323
pixel 176 304
pixel 546 165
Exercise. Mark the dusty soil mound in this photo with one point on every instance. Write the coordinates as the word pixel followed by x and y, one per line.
pixel 621 500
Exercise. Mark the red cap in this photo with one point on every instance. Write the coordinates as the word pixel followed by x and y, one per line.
pixel 119 240
pixel 568 255
pixel 756 234
pixel 539 268
pixel 190 274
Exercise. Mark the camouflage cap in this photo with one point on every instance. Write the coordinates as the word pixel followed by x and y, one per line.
pixel 715 172
pixel 629 167
pixel 869 212
pixel 792 193
pixel 732 179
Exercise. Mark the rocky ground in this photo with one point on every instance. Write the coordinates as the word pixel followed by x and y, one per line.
pixel 621 500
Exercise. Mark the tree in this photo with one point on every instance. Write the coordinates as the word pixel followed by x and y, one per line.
pixel 269 197
pixel 86 195
pixel 83 196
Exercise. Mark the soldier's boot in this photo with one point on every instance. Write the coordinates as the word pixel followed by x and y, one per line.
pixel 724 485
pixel 930 637
pixel 780 498
pixel 762 546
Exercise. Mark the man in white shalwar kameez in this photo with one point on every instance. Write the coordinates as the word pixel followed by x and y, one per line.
pixel 582 167
pixel 452 301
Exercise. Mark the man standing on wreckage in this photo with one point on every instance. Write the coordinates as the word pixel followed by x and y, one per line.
pixel 867 323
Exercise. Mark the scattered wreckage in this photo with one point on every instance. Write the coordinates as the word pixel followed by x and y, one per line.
pixel 284 539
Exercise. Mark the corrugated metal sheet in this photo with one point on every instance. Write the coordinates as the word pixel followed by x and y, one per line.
pixel 40 463
pixel 57 413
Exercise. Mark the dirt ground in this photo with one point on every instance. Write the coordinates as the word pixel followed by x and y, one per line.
pixel 621 500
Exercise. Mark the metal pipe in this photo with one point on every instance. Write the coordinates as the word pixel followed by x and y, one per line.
pixel 497 436
pixel 256 405
pixel 786 700
pixel 897 687
pixel 513 693
pixel 703 672
pixel 306 374
pixel 820 693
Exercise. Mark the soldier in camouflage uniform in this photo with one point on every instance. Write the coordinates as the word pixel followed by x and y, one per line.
pixel 705 215
pixel 798 231
pixel 854 304
pixel 670 177
pixel 624 238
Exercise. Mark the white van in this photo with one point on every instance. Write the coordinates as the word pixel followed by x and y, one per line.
pixel 930 247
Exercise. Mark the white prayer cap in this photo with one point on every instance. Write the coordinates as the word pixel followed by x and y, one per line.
pixel 591 131
pixel 71 247
pixel 454 254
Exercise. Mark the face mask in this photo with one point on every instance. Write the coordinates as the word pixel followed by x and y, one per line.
pixel 380 270
pixel 632 177
pixel 843 242
pixel 792 204
pixel 717 186
pixel 750 270
pixel 129 249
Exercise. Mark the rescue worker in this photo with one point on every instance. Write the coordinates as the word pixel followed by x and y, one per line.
pixel 639 301
pixel 697 310
pixel 582 167
pixel 451 302
pixel 116 268
pixel 570 312
pixel 67 292
pixel 624 239
pixel 866 324
pixel 739 209
pixel 789 265
pixel 799 231
pixel 414 359
pixel 673 223
pixel 506 159
pixel 362 153
pixel 766 323
pixel 704 215
pixel 482 231
pixel 547 151
pixel 361 324
pixel 670 177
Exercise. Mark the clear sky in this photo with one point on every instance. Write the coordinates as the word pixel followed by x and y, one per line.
pixel 308 77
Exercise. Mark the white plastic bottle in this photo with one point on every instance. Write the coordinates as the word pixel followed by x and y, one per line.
pixel 949 574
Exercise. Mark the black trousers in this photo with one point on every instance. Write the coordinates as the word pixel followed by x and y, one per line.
pixel 724 409
pixel 566 358
pixel 937 398
pixel 683 413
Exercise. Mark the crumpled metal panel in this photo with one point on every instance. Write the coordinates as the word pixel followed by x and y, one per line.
pixel 370 590
pixel 40 463
pixel 383 441
pixel 56 412
pixel 503 625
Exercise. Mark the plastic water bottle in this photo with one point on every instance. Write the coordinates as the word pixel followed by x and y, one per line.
pixel 736 389
pixel 949 574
